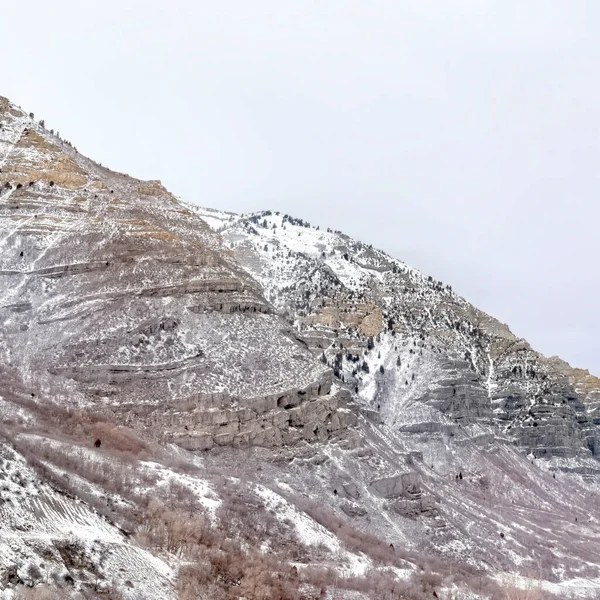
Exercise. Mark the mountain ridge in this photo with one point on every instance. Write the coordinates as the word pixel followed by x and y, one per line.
pixel 478 337
pixel 268 410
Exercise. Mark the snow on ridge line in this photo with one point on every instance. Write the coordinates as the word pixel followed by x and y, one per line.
pixel 221 221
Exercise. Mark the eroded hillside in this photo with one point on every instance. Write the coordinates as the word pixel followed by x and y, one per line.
pixel 195 404
pixel 117 297
pixel 406 342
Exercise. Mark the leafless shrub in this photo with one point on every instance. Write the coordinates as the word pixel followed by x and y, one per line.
pixel 86 427
pixel 174 531
pixel 515 593
pixel 48 592
pixel 194 581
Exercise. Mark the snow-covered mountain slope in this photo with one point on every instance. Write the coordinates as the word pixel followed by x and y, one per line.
pixel 265 411
pixel 47 535
pixel 407 343
pixel 115 296
pixel 486 449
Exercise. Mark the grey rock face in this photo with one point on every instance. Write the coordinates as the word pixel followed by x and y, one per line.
pixel 414 507
pixel 351 490
pixel 419 357
pixel 353 510
pixel 117 298
pixel 462 395
pixel 404 484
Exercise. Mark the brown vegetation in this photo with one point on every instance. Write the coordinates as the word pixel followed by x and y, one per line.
pixel 244 550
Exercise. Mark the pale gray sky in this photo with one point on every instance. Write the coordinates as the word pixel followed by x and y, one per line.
pixel 462 136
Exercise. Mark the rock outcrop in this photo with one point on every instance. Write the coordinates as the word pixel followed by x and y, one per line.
pixel 404 484
pixel 118 299
pixel 355 409
pixel 411 350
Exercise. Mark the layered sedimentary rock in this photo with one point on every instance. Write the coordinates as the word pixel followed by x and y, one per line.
pixel 115 297
pixel 120 298
pixel 416 355
pixel 324 374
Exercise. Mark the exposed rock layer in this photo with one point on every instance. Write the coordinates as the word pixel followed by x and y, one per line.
pixel 115 296
pixel 417 354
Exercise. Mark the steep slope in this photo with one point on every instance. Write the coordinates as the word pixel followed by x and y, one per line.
pixel 118 306
pixel 264 411
pixel 117 298
pixel 431 348
pixel 470 445
pixel 53 537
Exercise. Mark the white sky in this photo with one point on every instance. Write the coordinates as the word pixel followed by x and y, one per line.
pixel 461 136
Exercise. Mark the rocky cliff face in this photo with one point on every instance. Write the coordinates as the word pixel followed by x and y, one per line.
pixel 397 338
pixel 117 297
pixel 351 405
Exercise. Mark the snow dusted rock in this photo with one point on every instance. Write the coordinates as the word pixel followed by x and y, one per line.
pixel 405 484
pixel 414 351
pixel 353 510
pixel 351 489
pixel 117 297
pixel 413 508
pixel 332 379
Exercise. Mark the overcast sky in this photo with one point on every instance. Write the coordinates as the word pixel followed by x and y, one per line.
pixel 461 136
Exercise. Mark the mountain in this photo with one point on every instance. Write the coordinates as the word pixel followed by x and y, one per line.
pixel 435 348
pixel 197 404
pixel 111 284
